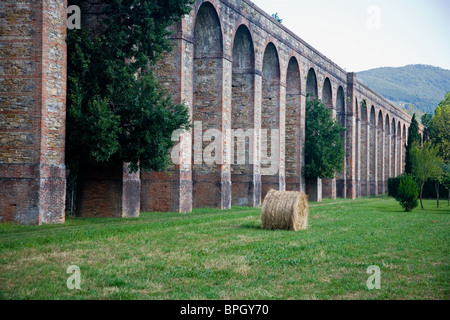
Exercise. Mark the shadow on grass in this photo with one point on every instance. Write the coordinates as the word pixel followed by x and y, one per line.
pixel 250 226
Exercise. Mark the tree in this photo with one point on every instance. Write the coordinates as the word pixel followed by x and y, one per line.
pixel 439 128
pixel 426 164
pixel 324 149
pixel 426 119
pixel 446 180
pixel 407 193
pixel 413 136
pixel 116 109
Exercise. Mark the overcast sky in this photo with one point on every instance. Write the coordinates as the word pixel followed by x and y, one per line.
pixel 364 34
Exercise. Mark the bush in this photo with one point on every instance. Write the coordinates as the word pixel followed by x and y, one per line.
pixel 408 193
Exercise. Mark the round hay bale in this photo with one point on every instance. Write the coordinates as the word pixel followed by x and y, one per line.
pixel 286 210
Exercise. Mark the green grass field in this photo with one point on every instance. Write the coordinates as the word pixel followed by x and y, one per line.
pixel 224 254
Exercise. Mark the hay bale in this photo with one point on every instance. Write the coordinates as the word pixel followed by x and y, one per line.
pixel 285 210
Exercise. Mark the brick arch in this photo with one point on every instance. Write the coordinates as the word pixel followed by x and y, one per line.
pixel 380 152
pixel 394 149
pixel 270 112
pixel 400 148
pixel 327 93
pixel 207 105
pixel 387 149
pixel 208 33
pixel 364 143
pixel 311 84
pixel 373 151
pixel 340 106
pixel 242 117
pixel 293 126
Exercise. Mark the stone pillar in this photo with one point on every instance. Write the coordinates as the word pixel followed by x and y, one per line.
pixel 380 159
pixel 351 139
pixel 373 190
pixel 387 156
pixel 33 58
pixel 328 186
pixel 226 127
pixel 358 156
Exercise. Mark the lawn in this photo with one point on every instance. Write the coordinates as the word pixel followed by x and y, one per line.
pixel 224 254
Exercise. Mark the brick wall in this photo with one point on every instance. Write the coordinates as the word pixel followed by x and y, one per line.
pixel 32 110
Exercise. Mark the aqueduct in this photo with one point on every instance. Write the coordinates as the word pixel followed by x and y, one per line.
pixel 235 67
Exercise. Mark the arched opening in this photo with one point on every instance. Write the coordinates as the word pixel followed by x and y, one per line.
pixel 340 115
pixel 399 149
pixel 364 149
pixel 380 154
pixel 270 120
pixel 387 152
pixel 311 85
pixel 393 149
pixel 292 136
pixel 357 149
pixel 242 118
pixel 313 185
pixel 373 153
pixel 207 108
pixel 403 144
pixel 327 94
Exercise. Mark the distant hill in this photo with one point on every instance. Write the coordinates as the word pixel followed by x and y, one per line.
pixel 414 87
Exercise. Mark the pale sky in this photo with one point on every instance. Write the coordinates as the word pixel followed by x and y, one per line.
pixel 364 34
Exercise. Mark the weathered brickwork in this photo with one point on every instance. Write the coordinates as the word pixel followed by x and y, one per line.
pixel 235 68
pixel 32 110
pixel 271 72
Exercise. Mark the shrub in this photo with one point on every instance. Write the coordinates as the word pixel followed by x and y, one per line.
pixel 408 193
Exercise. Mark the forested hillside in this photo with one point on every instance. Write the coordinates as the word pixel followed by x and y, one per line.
pixel 419 85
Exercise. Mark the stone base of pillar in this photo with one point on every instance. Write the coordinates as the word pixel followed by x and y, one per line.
pixel 351 189
pixel 52 194
pixel 108 192
pixel 314 189
pixel 226 191
pixel 32 194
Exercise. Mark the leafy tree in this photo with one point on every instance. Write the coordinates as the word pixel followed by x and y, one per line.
pixel 426 119
pixel 116 109
pixel 440 128
pixel 426 164
pixel 407 193
pixel 413 136
pixel 324 149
